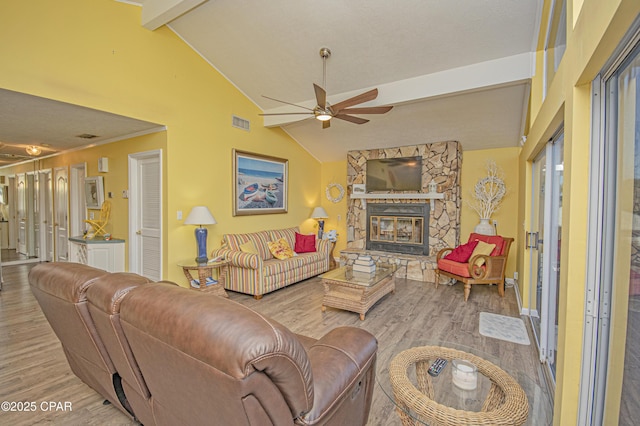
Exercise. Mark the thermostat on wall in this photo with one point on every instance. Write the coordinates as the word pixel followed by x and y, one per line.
pixel 103 164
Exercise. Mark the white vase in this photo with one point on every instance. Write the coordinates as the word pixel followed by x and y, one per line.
pixel 485 228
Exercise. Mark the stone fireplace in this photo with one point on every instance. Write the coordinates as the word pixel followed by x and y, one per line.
pixel 442 163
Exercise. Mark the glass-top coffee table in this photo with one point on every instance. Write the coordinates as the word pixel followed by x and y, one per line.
pixel 356 292
pixel 497 394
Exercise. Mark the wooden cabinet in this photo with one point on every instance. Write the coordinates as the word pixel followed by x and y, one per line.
pixel 98 252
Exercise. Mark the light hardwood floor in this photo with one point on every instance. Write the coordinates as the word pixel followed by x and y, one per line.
pixel 33 367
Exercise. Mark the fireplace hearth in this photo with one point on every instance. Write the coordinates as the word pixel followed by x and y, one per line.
pixel 398 228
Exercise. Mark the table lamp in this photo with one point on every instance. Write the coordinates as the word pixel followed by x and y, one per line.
pixel 319 214
pixel 200 215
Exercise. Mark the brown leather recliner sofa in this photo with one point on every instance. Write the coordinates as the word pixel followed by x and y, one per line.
pixel 167 355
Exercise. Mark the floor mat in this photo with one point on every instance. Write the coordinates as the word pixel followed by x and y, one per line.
pixel 504 328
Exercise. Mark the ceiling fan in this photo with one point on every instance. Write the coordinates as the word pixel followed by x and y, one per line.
pixel 325 111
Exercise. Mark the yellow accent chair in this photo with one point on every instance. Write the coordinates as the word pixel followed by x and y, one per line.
pixel 99 224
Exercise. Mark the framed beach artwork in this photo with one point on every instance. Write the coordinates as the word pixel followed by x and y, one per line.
pixel 260 184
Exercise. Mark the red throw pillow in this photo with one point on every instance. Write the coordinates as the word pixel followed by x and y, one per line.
pixel 305 243
pixel 461 254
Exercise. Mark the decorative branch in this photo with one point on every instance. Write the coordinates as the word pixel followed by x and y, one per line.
pixel 488 192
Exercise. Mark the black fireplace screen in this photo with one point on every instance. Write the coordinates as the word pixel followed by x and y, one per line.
pixel 398 228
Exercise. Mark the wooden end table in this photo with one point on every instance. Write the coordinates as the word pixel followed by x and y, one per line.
pixel 356 292
pixel 204 272
pixel 332 260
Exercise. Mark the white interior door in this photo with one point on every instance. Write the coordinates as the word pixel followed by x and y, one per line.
pixel 13 219
pixel 46 215
pixel 145 214
pixel 21 212
pixel 78 212
pixel 61 224
pixel 32 209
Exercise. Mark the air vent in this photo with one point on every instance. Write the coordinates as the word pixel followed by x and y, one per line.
pixel 86 136
pixel 240 123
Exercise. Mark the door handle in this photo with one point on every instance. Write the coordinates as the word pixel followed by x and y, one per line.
pixel 532 240
pixel 138 232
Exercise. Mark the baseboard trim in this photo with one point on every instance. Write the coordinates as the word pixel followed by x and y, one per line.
pixel 21 262
pixel 517 289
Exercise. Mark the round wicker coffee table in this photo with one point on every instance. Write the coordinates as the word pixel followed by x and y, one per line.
pixel 505 402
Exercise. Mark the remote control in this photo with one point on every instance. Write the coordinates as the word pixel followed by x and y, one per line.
pixel 437 366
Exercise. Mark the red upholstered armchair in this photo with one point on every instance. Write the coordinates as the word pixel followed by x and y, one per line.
pixel 465 264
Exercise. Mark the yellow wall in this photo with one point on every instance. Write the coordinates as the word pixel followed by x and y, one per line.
pixel 473 168
pixel 595 28
pixel 115 181
pixel 97 54
pixel 335 173
pixel 154 76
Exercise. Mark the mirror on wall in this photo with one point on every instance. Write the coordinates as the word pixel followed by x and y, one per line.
pixel 94 192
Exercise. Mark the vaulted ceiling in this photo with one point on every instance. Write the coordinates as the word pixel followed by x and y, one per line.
pixel 453 70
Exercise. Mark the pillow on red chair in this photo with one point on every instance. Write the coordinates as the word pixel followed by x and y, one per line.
pixel 462 253
pixel 490 239
pixel 305 243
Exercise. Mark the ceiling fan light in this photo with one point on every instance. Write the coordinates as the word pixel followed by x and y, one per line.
pixel 33 150
pixel 323 116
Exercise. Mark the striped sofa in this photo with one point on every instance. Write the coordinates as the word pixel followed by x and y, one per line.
pixel 259 274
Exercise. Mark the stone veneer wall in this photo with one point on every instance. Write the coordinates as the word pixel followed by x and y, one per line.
pixel 442 162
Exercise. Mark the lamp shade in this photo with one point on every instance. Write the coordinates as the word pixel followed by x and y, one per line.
pixel 200 215
pixel 319 213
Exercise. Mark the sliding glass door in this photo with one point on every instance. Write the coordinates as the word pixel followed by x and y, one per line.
pixel 543 242
pixel 535 242
pixel 611 365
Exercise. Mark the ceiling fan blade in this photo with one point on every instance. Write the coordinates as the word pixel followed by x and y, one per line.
pixel 288 113
pixel 367 110
pixel 288 103
pixel 321 96
pixel 351 118
pixel 363 97
pixel 326 124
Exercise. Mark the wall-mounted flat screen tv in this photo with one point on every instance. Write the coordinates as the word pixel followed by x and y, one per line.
pixel 394 174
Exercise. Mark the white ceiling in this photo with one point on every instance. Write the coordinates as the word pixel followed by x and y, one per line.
pixel 56 126
pixel 453 70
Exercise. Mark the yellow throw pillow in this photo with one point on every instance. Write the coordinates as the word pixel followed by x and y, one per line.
pixel 482 248
pixel 249 247
pixel 280 249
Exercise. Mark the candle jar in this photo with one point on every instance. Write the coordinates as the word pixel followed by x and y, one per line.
pixel 464 374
